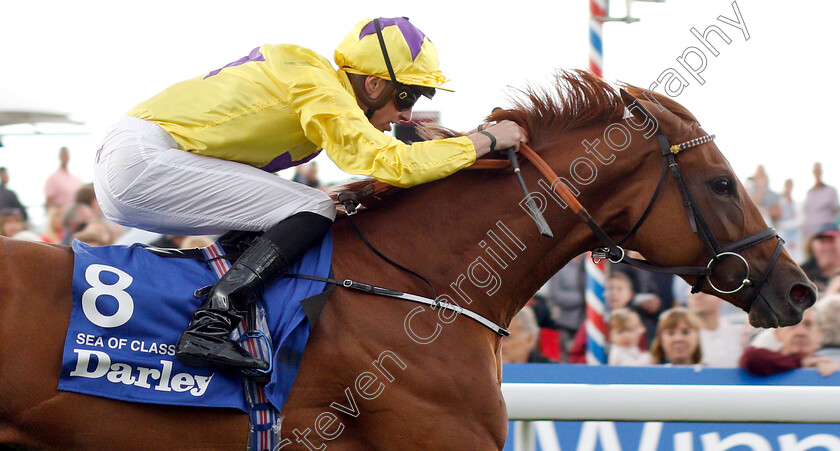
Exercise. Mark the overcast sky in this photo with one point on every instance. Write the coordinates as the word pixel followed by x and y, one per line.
pixel 770 99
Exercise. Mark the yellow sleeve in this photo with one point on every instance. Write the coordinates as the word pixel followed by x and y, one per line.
pixel 332 119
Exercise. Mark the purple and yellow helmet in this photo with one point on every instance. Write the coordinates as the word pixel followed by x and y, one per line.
pixel 413 56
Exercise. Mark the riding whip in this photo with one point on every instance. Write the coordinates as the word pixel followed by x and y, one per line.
pixel 545 230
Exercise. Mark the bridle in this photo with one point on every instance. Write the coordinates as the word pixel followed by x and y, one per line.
pixel 613 251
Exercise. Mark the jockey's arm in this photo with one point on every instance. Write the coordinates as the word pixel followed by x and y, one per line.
pixel 331 118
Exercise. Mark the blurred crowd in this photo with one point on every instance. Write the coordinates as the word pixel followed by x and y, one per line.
pixel 650 318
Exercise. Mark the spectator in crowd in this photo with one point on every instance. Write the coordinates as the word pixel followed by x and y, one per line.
pixel 824 255
pixel 618 293
pixel 11 222
pixel 680 290
pixel 677 339
pixel 833 285
pixel 799 344
pixel 61 186
pixel 648 293
pixel 821 204
pixel 520 346
pixel 828 312
pixel 549 343
pixel 76 219
pixel 626 330
pixel 87 196
pixel 307 174
pixel 564 306
pixel 95 233
pixel 790 222
pixel 768 202
pixel 722 342
pixel 8 198
pixel 54 227
pixel 766 339
pixel 663 288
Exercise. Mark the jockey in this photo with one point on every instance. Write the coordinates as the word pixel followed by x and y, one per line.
pixel 199 157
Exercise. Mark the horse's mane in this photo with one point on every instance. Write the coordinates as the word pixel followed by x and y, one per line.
pixel 575 100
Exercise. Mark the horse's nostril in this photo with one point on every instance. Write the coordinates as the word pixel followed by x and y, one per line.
pixel 803 295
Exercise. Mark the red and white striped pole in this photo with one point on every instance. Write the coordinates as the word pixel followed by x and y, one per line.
pixel 596 308
pixel 597 14
pixel 596 273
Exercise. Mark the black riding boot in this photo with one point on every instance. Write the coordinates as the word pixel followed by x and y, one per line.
pixel 207 338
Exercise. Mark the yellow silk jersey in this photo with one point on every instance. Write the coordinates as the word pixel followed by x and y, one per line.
pixel 276 107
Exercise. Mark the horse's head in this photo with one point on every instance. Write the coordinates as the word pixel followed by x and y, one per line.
pixel 701 216
pixel 681 207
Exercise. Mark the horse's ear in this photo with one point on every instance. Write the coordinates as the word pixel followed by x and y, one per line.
pixel 626 97
pixel 635 106
pixel 647 122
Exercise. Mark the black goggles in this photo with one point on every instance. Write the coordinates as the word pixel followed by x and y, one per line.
pixel 405 97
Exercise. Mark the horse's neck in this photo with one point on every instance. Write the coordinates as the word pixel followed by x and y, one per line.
pixel 469 235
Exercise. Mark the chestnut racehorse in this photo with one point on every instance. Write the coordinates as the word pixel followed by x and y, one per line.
pixel 381 373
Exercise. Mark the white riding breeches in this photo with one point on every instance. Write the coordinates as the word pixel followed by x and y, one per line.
pixel 144 180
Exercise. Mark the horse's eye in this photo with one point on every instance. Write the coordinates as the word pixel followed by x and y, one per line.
pixel 722 186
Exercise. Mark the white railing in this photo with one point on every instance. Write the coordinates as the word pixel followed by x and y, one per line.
pixel 637 402
pixel 529 402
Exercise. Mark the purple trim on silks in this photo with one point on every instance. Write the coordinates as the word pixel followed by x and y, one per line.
pixel 285 162
pixel 99 153
pixel 255 55
pixel 412 35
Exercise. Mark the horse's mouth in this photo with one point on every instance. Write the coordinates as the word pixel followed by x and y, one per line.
pixel 763 317
pixel 764 314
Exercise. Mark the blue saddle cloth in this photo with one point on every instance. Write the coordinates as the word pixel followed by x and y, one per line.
pixel 130 307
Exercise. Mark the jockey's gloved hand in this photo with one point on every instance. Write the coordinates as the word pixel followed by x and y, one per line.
pixel 498 137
